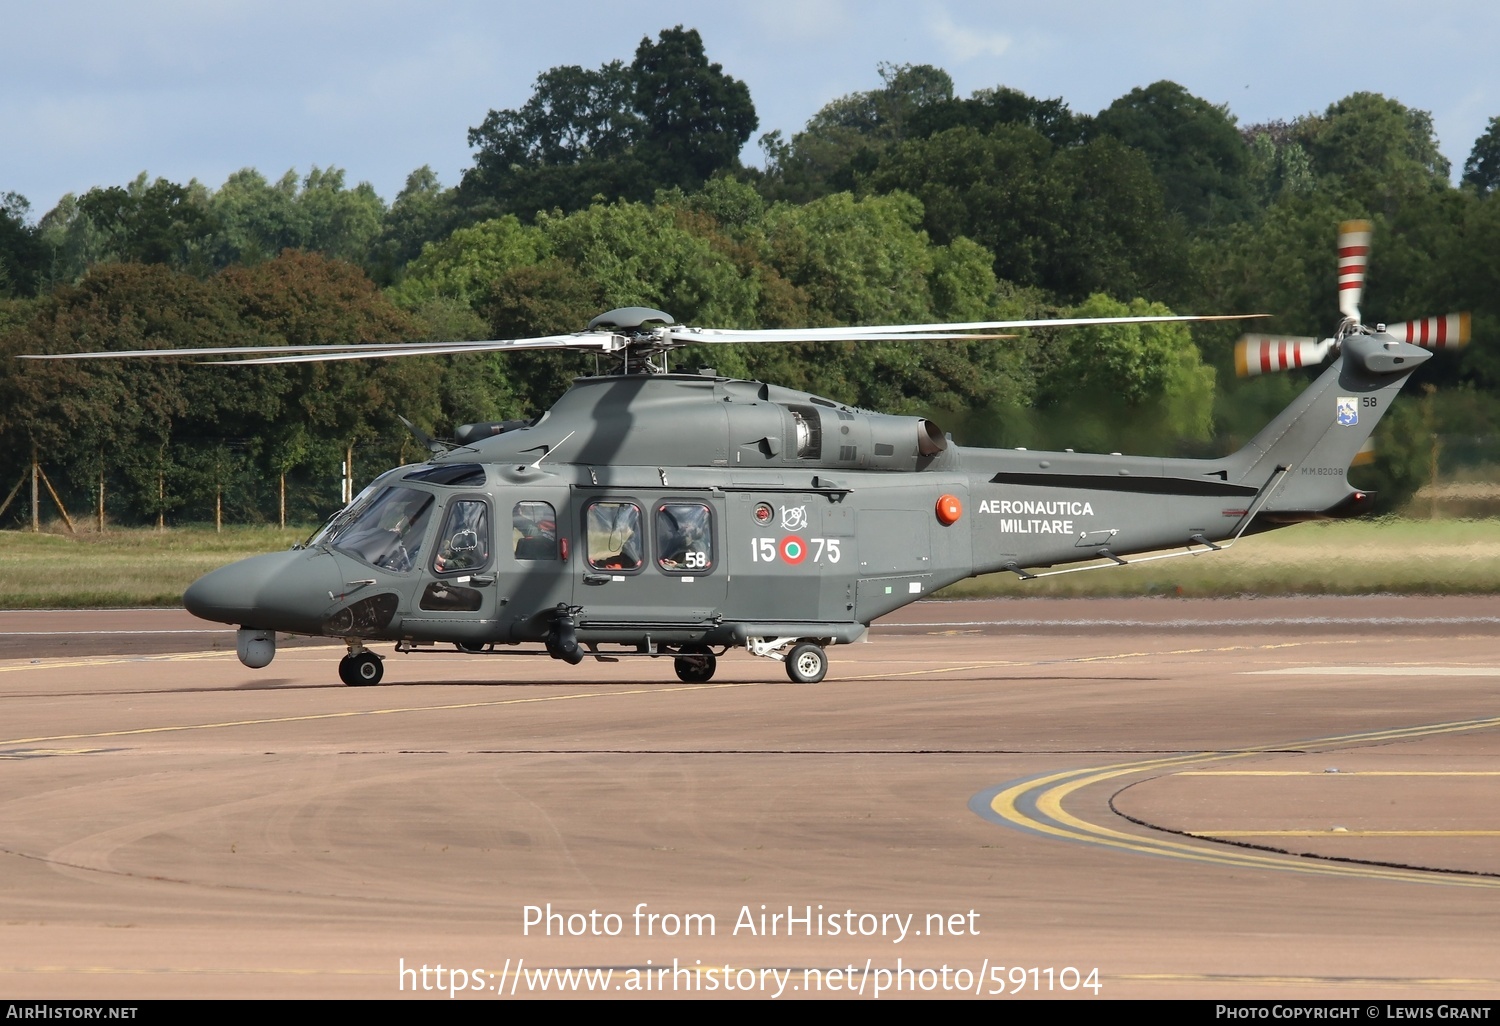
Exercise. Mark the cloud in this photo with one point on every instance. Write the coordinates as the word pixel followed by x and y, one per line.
pixel 804 21
pixel 966 44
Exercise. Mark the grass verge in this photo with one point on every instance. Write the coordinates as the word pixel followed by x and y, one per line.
pixel 123 567
pixel 1351 557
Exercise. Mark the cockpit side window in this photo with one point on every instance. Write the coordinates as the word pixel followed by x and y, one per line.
pixel 465 540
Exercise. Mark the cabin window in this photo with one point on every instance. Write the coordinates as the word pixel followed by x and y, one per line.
pixel 684 538
pixel 612 535
pixel 465 541
pixel 534 530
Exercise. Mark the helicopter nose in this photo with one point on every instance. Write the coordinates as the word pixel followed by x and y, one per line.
pixel 279 591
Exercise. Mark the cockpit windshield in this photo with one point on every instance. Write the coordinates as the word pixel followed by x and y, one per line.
pixel 339 520
pixel 386 531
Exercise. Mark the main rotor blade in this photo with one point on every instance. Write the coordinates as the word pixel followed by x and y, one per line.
pixel 717 337
pixel 1354 257
pixel 122 354
pixel 1450 331
pixel 885 331
pixel 1265 354
pixel 326 350
pixel 586 340
pixel 665 338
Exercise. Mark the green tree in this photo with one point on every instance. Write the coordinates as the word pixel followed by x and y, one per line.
pixel 1373 149
pixel 21 252
pixel 546 298
pixel 862 261
pixel 1111 233
pixel 170 435
pixel 1277 165
pixel 1458 261
pixel 1073 221
pixel 867 261
pixel 694 119
pixel 72 242
pixel 462 266
pixel 642 255
pixel 1192 145
pixel 157 223
pixel 849 134
pixel 117 417
pixel 995 188
pixel 670 118
pixel 1127 386
pixel 883 115
pixel 988 108
pixel 1482 169
pixel 258 219
pixel 423 212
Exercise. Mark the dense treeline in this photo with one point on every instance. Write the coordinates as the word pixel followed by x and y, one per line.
pixel 622 185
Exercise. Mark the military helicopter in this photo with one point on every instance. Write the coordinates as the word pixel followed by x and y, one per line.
pixel 674 515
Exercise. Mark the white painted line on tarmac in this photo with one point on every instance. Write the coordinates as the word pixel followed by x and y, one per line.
pixel 1379 671
pixel 1238 621
pixel 63 634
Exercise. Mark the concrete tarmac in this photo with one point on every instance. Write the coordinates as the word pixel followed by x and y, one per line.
pixel 1271 798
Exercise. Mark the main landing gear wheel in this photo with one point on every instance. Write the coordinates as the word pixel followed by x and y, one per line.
pixel 807 663
pixel 695 664
pixel 361 670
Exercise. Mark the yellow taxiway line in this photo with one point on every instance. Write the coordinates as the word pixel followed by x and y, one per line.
pixel 1037 806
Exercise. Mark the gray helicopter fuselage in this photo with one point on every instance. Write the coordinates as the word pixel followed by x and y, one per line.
pixel 693 509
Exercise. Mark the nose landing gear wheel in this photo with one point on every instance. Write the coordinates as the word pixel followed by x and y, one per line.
pixel 695 664
pixel 361 670
pixel 807 663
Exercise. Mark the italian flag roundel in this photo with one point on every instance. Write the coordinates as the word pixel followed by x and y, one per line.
pixel 793 549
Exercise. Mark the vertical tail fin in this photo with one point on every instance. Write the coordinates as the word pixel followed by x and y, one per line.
pixel 1317 437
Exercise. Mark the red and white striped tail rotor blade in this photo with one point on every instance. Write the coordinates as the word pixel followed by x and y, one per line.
pixel 1354 257
pixel 1449 331
pixel 1265 354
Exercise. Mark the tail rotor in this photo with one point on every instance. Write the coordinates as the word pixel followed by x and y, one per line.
pixel 1264 354
pixel 1354 257
pixel 1450 331
pixel 1256 354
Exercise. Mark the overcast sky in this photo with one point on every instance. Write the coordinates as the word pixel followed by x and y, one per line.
pixel 93 93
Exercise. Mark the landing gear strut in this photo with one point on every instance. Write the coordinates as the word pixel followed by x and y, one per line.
pixel 806 662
